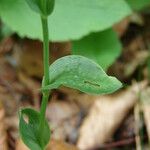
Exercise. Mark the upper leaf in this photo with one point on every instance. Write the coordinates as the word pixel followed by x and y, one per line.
pixel 81 73
pixel 103 47
pixel 43 7
pixel 71 19
pixel 138 4
pixel 29 129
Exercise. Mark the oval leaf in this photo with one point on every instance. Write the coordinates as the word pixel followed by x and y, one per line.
pixel 71 19
pixel 29 129
pixel 81 73
pixel 102 47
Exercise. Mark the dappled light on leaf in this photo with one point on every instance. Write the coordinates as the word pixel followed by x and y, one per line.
pixel 70 20
pixel 81 73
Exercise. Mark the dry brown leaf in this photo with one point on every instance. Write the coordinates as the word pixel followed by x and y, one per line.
pixel 53 145
pixel 12 94
pixel 145 97
pixel 105 117
pixel 29 57
pixel 122 26
pixel 11 90
pixel 3 135
pixel 6 45
pixel 33 86
pixel 126 68
pixel 64 119
pixel 84 101
pixel 139 59
pixel 137 125
pixel 59 50
pixel 59 145
pixel 7 93
pixel 21 146
pixel 134 54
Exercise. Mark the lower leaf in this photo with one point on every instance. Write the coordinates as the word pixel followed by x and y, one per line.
pixel 29 129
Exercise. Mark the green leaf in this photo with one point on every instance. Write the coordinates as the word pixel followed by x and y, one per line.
pixel 81 73
pixel 49 6
pixel 5 31
pixel 71 19
pixel 38 6
pixel 29 129
pixel 35 5
pixel 103 47
pixel 138 4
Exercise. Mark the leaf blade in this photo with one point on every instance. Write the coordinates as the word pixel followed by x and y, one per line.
pixel 95 16
pixel 29 130
pixel 81 73
pixel 102 47
pixel 138 4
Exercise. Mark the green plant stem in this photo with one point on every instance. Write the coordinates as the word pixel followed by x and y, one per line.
pixel 46 49
pixel 45 94
pixel 42 112
pixel 43 109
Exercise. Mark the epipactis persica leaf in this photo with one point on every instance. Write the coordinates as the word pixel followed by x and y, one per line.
pixel 70 20
pixel 81 73
pixel 138 4
pixel 29 129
